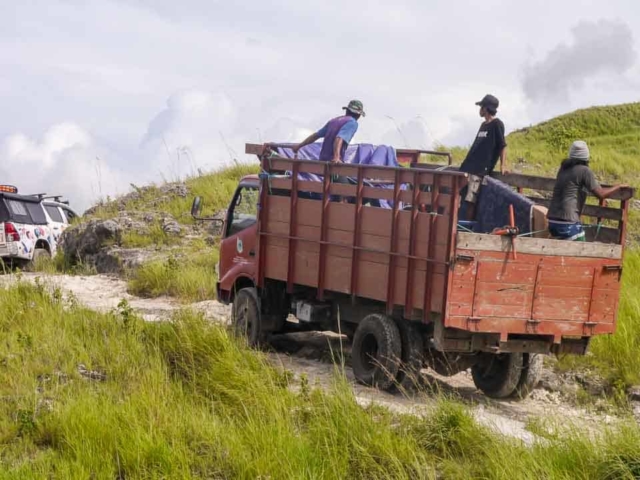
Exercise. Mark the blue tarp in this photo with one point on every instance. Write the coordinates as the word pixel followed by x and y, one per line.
pixel 361 154
pixel 493 203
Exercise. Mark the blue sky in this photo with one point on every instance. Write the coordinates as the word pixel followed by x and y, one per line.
pixel 100 94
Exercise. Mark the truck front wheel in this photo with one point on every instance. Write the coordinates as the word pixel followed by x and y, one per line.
pixel 246 320
pixel 497 375
pixel 375 351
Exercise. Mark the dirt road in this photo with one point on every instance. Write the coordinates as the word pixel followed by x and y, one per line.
pixel 312 354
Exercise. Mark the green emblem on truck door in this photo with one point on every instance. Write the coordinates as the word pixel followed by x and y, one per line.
pixel 239 245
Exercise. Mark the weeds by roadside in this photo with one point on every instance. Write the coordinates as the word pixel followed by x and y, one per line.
pixel 89 395
pixel 188 277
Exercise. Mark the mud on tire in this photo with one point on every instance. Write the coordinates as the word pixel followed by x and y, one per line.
pixel 375 351
pixel 497 375
pixel 246 321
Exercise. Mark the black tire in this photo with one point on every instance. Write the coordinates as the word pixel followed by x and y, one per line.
pixel 412 358
pixel 532 364
pixel 375 351
pixel 246 322
pixel 497 375
pixel 39 255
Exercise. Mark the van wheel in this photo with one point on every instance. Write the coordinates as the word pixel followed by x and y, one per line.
pixel 532 364
pixel 375 351
pixel 412 356
pixel 246 320
pixel 40 255
pixel 497 375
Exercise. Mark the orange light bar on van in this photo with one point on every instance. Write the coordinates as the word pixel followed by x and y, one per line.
pixel 8 189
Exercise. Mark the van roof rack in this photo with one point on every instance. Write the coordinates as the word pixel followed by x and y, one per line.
pixel 55 198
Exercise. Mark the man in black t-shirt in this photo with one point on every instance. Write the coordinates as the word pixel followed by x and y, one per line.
pixel 488 146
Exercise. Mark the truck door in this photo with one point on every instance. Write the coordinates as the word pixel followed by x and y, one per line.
pixel 239 244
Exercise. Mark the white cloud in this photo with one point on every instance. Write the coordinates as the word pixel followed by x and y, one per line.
pixel 597 48
pixel 195 130
pixel 64 161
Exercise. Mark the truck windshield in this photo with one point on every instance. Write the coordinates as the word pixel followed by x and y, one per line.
pixel 244 211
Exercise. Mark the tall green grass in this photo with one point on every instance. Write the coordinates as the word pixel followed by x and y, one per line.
pixel 612 132
pixel 89 395
pixel 215 188
pixel 189 277
pixel 618 356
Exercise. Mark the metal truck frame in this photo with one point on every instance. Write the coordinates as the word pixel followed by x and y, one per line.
pixel 406 285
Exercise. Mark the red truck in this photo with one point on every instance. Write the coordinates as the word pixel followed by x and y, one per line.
pixel 407 284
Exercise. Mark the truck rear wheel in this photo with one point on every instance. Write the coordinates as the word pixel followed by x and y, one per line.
pixel 497 375
pixel 531 372
pixel 246 320
pixel 375 351
pixel 412 356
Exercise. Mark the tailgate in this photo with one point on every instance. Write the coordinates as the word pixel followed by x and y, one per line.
pixel 554 288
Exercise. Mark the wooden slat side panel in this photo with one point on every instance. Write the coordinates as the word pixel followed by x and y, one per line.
pixel 504 289
pixel 596 211
pixel 345 241
pixel 521 326
pixel 502 300
pixel 562 304
pixel 462 289
pixel 547 184
pixel 561 276
pixel 537 246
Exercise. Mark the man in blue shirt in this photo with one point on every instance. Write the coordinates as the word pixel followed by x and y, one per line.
pixel 337 134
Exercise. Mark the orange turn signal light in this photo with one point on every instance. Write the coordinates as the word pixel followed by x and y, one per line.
pixel 8 189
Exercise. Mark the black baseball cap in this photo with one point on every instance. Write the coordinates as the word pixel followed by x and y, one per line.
pixel 489 101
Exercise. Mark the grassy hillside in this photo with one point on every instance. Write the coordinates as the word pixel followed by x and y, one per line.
pixel 88 395
pixel 612 132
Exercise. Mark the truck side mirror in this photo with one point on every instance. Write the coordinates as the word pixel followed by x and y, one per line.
pixel 196 207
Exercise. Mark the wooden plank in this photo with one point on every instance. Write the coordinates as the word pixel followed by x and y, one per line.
pixel 355 266
pixel 502 300
pixel 568 303
pixel 371 248
pixel 511 325
pixel 324 221
pixel 602 235
pixel 623 225
pixel 540 246
pixel 408 304
pixel 589 210
pixel 293 224
pixel 253 148
pixel 547 184
pixel 580 276
pixel 511 272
